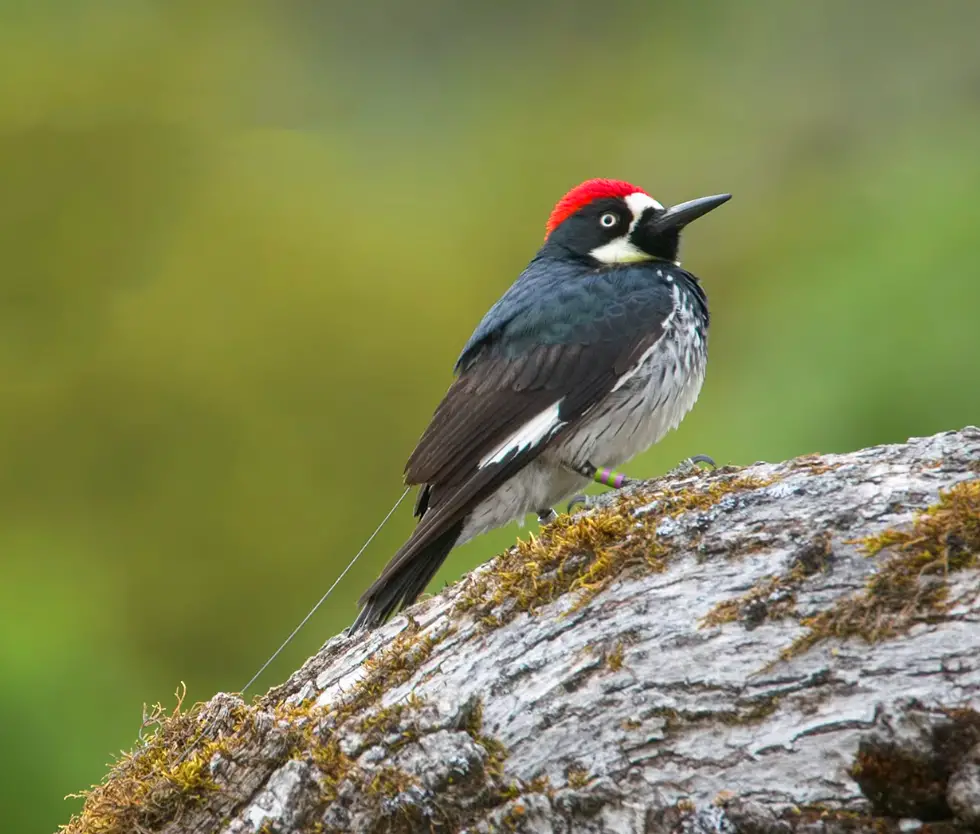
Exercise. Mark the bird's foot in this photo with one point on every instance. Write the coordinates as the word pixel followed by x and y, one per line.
pixel 581 501
pixel 690 466
pixel 604 476
pixel 547 515
pixel 617 480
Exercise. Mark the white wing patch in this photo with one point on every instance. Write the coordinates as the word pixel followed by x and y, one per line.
pixel 533 432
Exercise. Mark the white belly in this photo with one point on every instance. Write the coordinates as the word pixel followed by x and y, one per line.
pixel 653 402
pixel 538 486
pixel 628 421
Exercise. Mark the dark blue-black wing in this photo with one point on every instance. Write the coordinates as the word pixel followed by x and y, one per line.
pixel 497 415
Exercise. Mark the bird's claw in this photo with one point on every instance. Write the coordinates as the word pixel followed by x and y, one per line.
pixel 690 465
pixel 581 500
pixel 547 515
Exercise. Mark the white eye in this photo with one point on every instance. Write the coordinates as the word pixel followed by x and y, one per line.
pixel 608 220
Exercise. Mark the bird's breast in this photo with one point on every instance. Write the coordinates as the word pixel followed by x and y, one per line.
pixel 655 397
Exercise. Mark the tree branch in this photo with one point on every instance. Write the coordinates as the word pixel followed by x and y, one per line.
pixel 779 648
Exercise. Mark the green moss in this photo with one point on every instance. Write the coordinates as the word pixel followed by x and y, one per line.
pixel 773 597
pixel 495 750
pixel 576 554
pixel 381 724
pixel 814 464
pixel 675 721
pixel 912 584
pixel 839 820
pixel 610 654
pixel 516 811
pixel 754 711
pixel 388 668
pixel 513 819
pixel 147 786
pixel 614 659
pixel 332 763
pixel 749 711
pixel 887 772
pixel 321 725
pixel 910 780
pixel 398 809
pixel 582 554
pixel 781 586
pixel 577 777
pixel 390 781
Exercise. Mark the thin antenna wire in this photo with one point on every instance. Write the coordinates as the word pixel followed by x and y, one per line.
pixel 303 622
pixel 323 599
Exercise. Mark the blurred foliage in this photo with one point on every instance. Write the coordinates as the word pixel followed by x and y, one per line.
pixel 242 244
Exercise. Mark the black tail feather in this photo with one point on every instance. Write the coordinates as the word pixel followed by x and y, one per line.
pixel 402 588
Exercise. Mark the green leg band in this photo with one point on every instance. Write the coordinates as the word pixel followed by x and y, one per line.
pixel 607 477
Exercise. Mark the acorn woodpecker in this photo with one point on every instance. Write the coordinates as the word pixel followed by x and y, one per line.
pixel 595 352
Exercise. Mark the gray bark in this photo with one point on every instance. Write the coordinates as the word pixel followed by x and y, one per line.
pixel 683 696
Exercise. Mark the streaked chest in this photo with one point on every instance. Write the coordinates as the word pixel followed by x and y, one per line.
pixel 653 397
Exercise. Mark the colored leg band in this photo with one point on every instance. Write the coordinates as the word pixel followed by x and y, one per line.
pixel 609 478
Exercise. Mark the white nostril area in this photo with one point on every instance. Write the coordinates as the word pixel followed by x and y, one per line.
pixel 640 202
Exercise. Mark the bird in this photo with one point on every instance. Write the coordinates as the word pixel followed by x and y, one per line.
pixel 593 354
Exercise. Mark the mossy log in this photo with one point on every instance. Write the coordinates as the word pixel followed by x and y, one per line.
pixel 780 648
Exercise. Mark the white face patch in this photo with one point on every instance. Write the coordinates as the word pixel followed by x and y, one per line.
pixel 533 432
pixel 639 203
pixel 622 250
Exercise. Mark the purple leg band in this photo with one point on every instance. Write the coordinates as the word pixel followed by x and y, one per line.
pixel 610 478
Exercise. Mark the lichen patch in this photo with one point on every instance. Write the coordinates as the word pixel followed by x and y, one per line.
pixel 912 584
pixel 774 596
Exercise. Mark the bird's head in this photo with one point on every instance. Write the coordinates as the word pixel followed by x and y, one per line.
pixel 613 222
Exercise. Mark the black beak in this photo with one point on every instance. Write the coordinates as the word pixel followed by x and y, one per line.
pixel 677 217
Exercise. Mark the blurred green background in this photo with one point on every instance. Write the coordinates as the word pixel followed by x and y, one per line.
pixel 242 245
